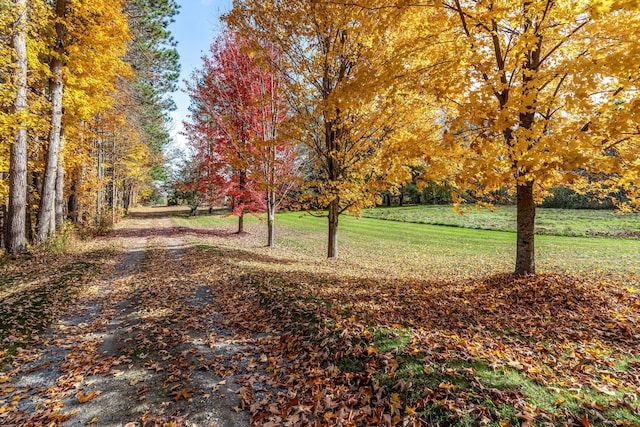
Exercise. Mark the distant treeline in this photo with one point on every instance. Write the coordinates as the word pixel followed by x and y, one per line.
pixel 441 194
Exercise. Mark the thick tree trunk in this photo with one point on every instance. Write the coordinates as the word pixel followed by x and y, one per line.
pixel 16 240
pixel 59 203
pixel 334 214
pixel 47 198
pixel 46 218
pixel 526 213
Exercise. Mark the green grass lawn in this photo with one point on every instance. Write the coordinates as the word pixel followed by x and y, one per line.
pixel 562 222
pixel 439 251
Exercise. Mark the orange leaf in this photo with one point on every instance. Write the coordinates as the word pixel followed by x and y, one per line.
pixel 585 421
pixel 84 398
pixel 184 394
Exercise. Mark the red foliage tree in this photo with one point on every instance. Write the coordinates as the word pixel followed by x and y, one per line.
pixel 237 111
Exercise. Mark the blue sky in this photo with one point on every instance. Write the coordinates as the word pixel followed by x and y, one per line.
pixel 194 28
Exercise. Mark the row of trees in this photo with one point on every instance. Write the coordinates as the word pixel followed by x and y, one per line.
pixel 83 110
pixel 487 97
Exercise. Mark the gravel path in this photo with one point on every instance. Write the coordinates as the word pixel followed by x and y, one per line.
pixel 136 348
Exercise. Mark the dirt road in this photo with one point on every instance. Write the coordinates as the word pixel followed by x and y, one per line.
pixel 141 345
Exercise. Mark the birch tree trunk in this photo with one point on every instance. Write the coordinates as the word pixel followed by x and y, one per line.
pixel 271 215
pixel 59 203
pixel 46 216
pixel 16 241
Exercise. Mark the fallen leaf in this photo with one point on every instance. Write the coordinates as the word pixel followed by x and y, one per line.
pixel 84 398
pixel 183 394
pixel 585 421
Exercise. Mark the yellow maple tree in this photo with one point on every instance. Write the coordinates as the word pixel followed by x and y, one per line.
pixel 543 93
pixel 348 109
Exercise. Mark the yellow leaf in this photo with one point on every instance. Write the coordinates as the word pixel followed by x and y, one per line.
pixel 447 386
pixel 328 416
pixel 92 421
pixel 5 409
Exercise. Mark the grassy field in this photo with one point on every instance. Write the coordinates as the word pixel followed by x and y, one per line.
pixel 428 319
pixel 437 251
pixel 561 222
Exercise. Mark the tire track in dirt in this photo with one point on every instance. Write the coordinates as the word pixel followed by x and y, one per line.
pixel 134 351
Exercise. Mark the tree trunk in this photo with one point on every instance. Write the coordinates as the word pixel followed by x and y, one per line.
pixel 126 197
pixel 3 223
pixel 100 176
pixel 59 204
pixel 526 213
pixel 16 240
pixel 271 212
pixel 114 188
pixel 74 197
pixel 334 213
pixel 31 201
pixel 46 216
pixel 72 206
pixel 241 223
pixel 242 185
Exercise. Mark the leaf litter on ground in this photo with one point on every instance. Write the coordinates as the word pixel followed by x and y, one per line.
pixel 305 341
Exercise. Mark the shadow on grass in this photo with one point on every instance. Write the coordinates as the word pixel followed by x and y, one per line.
pixel 503 338
pixel 157 212
pixel 170 232
pixel 541 308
